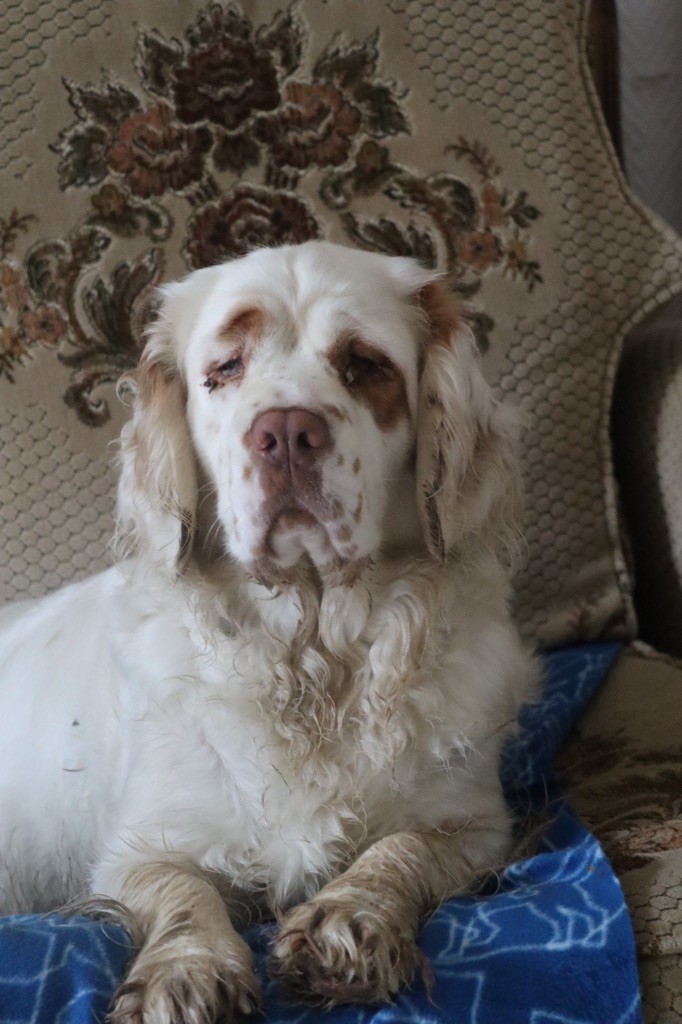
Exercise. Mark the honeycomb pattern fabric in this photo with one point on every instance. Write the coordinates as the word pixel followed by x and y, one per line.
pixel 518 61
pixel 26 26
pixel 56 509
pixel 462 133
pixel 661 979
pixel 621 769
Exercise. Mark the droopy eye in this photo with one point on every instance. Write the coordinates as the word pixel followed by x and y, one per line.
pixel 224 371
pixel 231 368
pixel 362 368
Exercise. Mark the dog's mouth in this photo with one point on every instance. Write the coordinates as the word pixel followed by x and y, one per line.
pixel 296 522
pixel 293 531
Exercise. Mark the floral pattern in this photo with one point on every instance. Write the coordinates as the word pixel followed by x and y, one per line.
pixel 250 215
pixel 40 304
pixel 262 151
pixel 26 320
pixel 155 153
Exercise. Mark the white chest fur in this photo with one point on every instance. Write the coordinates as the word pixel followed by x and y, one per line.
pixel 269 739
pixel 270 756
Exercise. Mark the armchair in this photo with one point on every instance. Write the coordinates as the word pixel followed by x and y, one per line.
pixel 469 135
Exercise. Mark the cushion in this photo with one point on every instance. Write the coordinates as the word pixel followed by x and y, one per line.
pixel 622 771
pixel 464 134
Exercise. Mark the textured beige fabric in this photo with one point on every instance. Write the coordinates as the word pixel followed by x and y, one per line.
pixel 647 431
pixel 56 504
pixel 462 132
pixel 661 979
pixel 622 771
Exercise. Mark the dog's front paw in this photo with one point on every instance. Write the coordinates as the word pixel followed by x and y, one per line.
pixel 340 950
pixel 200 987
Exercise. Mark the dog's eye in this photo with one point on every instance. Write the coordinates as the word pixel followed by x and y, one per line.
pixel 228 370
pixel 231 368
pixel 361 368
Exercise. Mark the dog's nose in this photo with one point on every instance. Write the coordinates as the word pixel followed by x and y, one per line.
pixel 289 437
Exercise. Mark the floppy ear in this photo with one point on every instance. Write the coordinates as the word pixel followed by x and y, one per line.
pixel 468 482
pixel 157 489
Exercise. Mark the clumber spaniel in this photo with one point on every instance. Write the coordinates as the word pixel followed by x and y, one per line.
pixel 294 692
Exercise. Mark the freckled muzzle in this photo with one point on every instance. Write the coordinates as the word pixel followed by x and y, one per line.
pixel 288 447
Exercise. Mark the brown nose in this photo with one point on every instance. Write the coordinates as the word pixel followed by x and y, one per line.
pixel 289 437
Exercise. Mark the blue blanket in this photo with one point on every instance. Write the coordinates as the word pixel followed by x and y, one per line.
pixel 551 945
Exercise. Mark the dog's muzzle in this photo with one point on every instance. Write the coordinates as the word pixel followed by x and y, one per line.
pixel 287 444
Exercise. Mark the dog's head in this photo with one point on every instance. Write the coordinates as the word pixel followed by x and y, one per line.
pixel 331 404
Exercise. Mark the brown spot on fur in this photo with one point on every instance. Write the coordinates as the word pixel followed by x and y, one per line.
pixel 244 325
pixel 358 510
pixel 247 472
pixel 340 461
pixel 333 506
pixel 293 517
pixel 243 331
pixel 334 412
pixel 441 312
pixel 344 532
pixel 372 378
pixel 356 466
pixel 433 523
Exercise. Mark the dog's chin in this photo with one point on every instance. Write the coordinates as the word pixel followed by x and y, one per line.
pixel 296 542
pixel 295 533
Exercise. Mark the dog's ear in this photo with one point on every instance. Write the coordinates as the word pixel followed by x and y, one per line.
pixel 157 491
pixel 468 481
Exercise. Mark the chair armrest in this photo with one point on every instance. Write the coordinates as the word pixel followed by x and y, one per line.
pixel 647 444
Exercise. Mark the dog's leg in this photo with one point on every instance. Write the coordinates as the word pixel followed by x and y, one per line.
pixel 192 966
pixel 355 941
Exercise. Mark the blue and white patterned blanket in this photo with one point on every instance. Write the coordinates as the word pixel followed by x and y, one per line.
pixel 551 945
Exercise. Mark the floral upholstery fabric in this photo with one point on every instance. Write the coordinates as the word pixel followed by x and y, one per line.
pixel 462 133
pixel 622 771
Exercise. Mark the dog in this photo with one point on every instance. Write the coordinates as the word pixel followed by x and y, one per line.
pixel 291 695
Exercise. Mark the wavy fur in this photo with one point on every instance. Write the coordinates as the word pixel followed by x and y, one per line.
pixel 293 694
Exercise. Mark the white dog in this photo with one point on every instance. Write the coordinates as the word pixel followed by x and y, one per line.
pixel 294 695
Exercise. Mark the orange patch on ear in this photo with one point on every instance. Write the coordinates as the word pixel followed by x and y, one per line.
pixel 441 310
pixel 155 371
